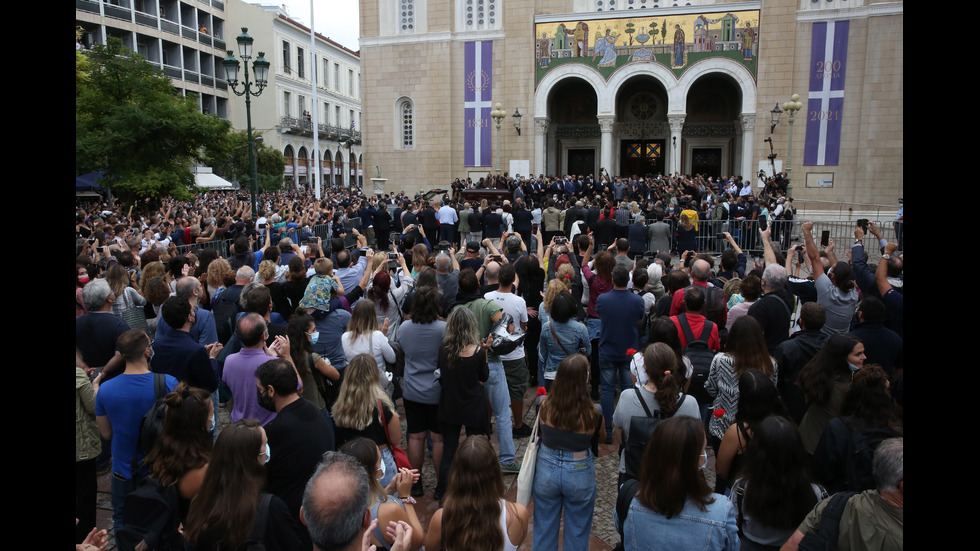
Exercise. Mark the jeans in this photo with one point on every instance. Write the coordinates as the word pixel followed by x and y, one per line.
pixel 391 468
pixel 609 370
pixel 563 483
pixel 120 487
pixel 496 387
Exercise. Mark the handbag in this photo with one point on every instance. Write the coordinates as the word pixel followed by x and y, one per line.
pixel 401 458
pixel 133 315
pixel 525 478
pixel 505 342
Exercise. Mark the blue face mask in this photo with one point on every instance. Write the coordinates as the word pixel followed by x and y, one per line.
pixel 853 367
pixel 212 422
pixel 268 453
pixel 314 337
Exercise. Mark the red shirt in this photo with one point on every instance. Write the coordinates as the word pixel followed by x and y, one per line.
pixel 696 321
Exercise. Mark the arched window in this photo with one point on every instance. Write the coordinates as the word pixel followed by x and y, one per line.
pixel 405 123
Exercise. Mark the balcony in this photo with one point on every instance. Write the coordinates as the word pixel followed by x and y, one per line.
pixel 146 20
pixel 300 126
pixel 87 6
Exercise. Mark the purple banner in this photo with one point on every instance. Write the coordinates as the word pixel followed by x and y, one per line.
pixel 828 65
pixel 478 83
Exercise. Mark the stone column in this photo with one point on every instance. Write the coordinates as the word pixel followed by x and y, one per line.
pixel 606 153
pixel 676 126
pixel 541 144
pixel 748 144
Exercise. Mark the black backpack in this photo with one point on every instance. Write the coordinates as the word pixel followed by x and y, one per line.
pixel 151 518
pixel 225 313
pixel 641 430
pixel 701 355
pixel 828 535
pixel 860 453
pixel 151 426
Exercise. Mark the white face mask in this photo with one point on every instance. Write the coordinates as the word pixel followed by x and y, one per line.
pixel 383 468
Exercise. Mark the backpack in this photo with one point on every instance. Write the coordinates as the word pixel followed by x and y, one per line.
pixel 701 355
pixel 828 535
pixel 859 454
pixel 715 305
pixel 641 430
pixel 151 518
pixel 151 426
pixel 256 536
pixel 225 313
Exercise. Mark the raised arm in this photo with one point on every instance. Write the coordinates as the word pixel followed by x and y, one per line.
pixel 767 252
pixel 811 250
pixel 881 274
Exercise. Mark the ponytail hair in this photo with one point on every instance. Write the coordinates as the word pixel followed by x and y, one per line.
pixel 663 371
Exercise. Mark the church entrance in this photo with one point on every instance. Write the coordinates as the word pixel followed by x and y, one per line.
pixel 711 126
pixel 641 122
pixel 581 161
pixel 642 158
pixel 706 161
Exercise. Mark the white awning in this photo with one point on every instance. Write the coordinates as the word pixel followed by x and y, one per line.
pixel 204 178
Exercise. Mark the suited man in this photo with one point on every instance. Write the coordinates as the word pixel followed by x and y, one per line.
pixel 637 237
pixel 659 234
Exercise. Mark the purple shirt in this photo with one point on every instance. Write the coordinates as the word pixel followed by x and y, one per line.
pixel 239 374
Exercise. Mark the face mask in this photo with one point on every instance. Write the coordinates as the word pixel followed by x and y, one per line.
pixel 212 422
pixel 267 402
pixel 268 453
pixel 382 468
pixel 704 455
pixel 853 367
pixel 314 337
pixel 83 279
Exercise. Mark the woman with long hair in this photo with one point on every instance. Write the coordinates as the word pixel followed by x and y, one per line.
pixel 561 336
pixel 825 380
pixel 662 391
pixel 384 505
pixel 312 367
pixel 564 477
pixel 360 408
pixel 663 330
pixel 757 399
pixel 181 454
pixel 775 491
pixel 868 415
pixel 266 275
pixel 462 398
pixel 222 514
pixel 363 336
pixel 126 296
pixel 744 350
pixel 220 276
pixel 674 509
pixel 150 271
pixel 420 337
pixel 476 516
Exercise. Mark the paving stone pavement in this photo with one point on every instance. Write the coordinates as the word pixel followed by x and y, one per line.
pixel 604 535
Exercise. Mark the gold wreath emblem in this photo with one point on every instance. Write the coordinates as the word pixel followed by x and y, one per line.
pixel 484 80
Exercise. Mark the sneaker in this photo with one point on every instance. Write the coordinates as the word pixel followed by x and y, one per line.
pixel 522 432
pixel 418 490
pixel 511 468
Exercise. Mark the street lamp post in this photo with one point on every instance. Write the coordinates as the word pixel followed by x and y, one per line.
pixel 498 115
pixel 261 68
pixel 791 107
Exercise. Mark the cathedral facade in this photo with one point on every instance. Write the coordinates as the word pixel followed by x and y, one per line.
pixel 640 87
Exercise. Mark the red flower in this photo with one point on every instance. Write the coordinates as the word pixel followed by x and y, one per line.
pixel 542 391
pixel 719 413
pixel 631 351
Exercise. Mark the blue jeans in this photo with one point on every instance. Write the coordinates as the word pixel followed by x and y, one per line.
pixel 120 487
pixel 609 371
pixel 563 483
pixel 496 387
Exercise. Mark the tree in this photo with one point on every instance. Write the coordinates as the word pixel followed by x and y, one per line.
pixel 229 159
pixel 132 122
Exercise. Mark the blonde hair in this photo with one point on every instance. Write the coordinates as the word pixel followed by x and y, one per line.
pixel 267 270
pixel 363 321
pixel 323 266
pixel 359 394
pixel 555 286
pixel 218 272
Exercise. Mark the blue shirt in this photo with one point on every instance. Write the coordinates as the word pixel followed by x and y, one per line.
pixel 124 400
pixel 620 311
pixel 203 331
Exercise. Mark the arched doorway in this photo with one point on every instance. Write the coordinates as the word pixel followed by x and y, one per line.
pixel 338 169
pixel 711 127
pixel 641 126
pixel 289 173
pixel 572 107
pixel 303 167
pixel 327 173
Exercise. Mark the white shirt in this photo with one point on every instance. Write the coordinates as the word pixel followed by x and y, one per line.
pixel 447 215
pixel 516 306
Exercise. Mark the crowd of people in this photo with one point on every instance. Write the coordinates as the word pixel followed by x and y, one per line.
pixel 320 323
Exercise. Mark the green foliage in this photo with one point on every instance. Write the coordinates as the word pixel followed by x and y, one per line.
pixel 132 122
pixel 229 159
